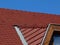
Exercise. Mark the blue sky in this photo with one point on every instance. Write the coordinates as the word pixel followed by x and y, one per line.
pixel 44 6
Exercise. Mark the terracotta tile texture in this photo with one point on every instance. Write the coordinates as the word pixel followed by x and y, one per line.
pixel 33 26
pixel 33 35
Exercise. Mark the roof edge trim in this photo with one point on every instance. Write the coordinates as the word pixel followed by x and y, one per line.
pixel 51 24
pixel 20 35
pixel 45 34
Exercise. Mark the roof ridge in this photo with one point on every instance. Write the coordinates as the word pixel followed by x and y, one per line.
pixel 26 11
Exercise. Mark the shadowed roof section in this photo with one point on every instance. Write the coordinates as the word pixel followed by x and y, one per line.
pixel 33 26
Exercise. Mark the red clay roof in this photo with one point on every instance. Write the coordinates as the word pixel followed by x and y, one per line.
pixel 34 24
pixel 33 36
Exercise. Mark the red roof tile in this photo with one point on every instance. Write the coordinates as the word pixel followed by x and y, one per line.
pixel 33 35
pixel 8 36
pixel 33 26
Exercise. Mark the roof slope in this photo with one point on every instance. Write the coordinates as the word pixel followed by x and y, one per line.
pixel 33 36
pixel 30 20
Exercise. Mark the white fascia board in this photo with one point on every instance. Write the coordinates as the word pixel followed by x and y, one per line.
pixel 45 34
pixel 20 35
